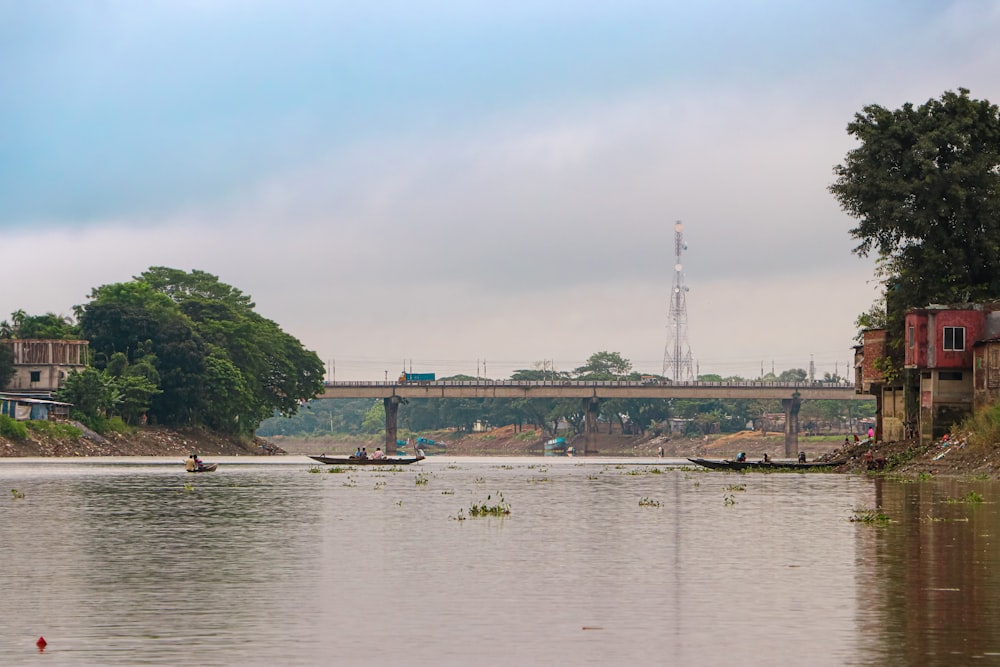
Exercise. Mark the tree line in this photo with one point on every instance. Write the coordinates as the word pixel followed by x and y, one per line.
pixel 175 348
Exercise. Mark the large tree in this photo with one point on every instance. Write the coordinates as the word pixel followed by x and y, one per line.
pixel 924 185
pixel 217 362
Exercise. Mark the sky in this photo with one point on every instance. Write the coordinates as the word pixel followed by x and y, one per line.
pixel 469 187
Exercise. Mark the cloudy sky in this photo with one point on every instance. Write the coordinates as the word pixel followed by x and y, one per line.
pixel 452 184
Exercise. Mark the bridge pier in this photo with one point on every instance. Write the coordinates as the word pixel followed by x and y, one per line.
pixel 591 408
pixel 391 404
pixel 791 406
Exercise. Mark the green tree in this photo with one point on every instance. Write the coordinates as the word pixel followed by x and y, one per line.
pixel 6 365
pixel 924 185
pixel 216 362
pixel 47 327
pixel 374 421
pixel 604 366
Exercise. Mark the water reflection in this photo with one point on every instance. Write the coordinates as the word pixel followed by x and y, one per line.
pixel 599 563
pixel 930 580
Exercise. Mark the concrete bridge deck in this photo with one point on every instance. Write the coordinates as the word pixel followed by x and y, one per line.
pixel 591 389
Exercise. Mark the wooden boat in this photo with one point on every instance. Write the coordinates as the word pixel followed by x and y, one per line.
pixel 208 467
pixel 353 461
pixel 730 464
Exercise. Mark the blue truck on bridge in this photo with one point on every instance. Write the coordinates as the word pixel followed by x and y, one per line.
pixel 416 377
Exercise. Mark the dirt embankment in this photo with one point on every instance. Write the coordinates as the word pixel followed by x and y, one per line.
pixel 952 456
pixel 143 441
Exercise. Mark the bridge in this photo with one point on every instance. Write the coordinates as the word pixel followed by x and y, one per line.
pixel 591 392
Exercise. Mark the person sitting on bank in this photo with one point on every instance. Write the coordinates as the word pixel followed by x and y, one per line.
pixel 767 459
pixel 802 457
pixel 741 457
pixel 190 465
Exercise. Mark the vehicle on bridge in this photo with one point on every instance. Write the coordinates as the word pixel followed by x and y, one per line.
pixel 416 377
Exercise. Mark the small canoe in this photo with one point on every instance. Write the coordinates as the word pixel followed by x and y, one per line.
pixel 208 467
pixel 352 461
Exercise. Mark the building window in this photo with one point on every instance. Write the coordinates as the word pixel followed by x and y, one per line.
pixel 950 375
pixel 911 336
pixel 36 376
pixel 954 338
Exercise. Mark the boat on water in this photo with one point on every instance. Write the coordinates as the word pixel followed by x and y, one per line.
pixel 731 464
pixel 208 467
pixel 358 461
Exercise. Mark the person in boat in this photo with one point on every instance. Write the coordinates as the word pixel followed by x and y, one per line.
pixel 802 457
pixel 364 452
pixel 356 454
pixel 190 465
pixel 659 451
pixel 741 457
pixel 379 454
pixel 198 463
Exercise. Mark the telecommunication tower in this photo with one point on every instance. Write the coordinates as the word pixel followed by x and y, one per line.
pixel 677 363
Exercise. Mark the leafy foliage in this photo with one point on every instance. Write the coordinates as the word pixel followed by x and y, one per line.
pixel 925 187
pixel 12 429
pixel 189 350
pixel 6 365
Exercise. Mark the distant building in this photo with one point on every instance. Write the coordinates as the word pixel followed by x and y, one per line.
pixel 41 366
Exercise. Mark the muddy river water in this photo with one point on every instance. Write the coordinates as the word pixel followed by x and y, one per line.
pixel 277 561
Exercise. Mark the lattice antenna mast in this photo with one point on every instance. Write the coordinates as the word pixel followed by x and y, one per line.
pixel 677 362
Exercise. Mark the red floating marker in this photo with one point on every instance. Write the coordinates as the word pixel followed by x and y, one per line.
pixel 41 643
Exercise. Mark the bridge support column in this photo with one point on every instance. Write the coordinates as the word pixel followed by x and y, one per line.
pixel 391 404
pixel 591 408
pixel 791 406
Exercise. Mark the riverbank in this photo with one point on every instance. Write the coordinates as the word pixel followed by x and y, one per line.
pixel 951 457
pixel 140 441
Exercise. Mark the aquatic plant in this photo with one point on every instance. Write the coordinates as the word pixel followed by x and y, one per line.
pixel 736 487
pixel 971 497
pixel 379 485
pixel 500 508
pixel 870 515
pixel 422 479
pixel 315 469
pixel 648 502
pixel 18 495
pixel 336 469
pixel 728 500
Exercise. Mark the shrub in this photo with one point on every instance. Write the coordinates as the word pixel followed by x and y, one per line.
pixel 983 427
pixel 55 429
pixel 12 429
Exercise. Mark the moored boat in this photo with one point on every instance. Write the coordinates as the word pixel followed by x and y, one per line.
pixel 208 467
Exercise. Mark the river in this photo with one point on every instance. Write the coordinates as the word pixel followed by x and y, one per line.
pixel 277 561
